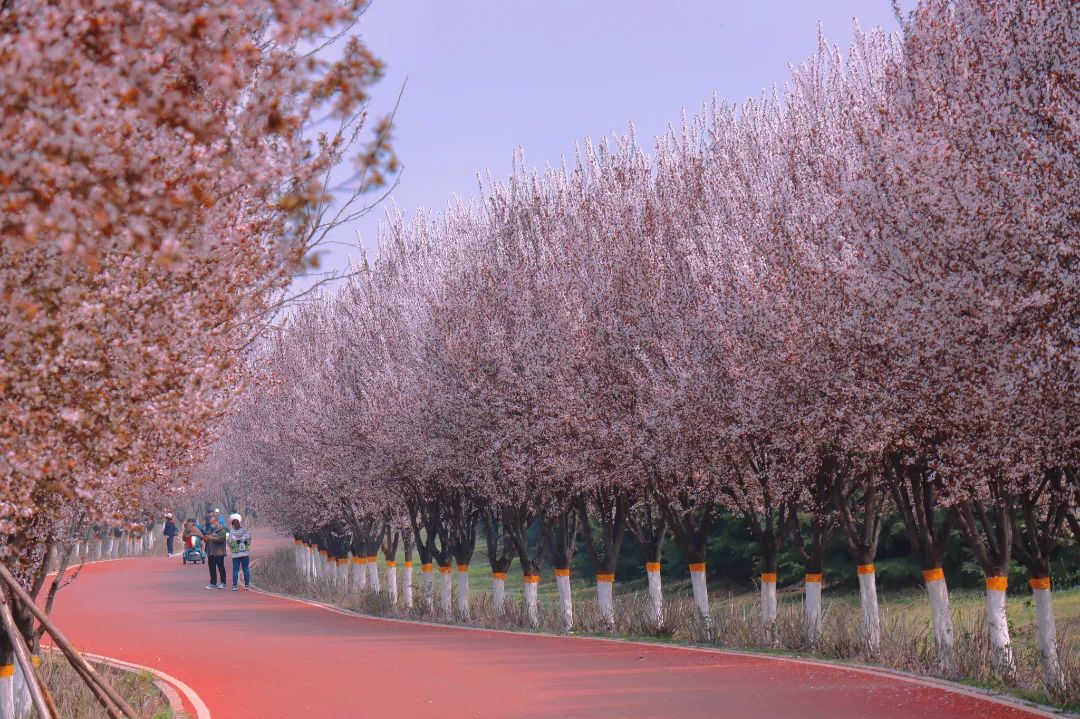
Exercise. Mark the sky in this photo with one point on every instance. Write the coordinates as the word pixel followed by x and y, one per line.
pixel 485 77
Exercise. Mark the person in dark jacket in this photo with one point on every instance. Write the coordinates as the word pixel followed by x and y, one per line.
pixel 214 541
pixel 170 531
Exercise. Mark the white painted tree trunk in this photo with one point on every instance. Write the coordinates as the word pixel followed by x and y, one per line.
pixel 656 596
pixel 812 594
pixel 604 590
pixel 446 583
pixel 406 585
pixel 498 591
pixel 97 550
pixel 998 623
pixel 360 572
pixel 24 703
pixel 768 606
pixel 1053 677
pixel 871 616
pixel 532 584
pixel 940 616
pixel 309 563
pixel 701 592
pixel 566 604
pixel 298 559
pixel 428 586
pixel 463 591
pixel 391 582
pixel 373 574
pixel 7 691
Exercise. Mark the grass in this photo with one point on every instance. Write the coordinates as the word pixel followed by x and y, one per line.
pixel 75 701
pixel 907 640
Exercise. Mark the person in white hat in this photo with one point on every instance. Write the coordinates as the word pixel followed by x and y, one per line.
pixel 239 548
pixel 170 531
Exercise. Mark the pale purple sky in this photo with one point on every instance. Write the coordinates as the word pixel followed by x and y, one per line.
pixel 488 76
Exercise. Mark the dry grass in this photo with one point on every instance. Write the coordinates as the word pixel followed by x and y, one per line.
pixel 75 701
pixel 907 642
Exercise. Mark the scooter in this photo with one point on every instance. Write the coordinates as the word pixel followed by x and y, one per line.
pixel 193 551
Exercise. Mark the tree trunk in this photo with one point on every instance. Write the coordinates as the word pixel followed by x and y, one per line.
pixel 689 523
pixel 516 521
pixel 649 527
pixel 560 534
pixel 988 533
pixel 500 552
pixel 446 581
pixel 914 490
pixel 611 507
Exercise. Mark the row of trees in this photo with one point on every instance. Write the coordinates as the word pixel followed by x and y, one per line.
pixel 162 177
pixel 854 296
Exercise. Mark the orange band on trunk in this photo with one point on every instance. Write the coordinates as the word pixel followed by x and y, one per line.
pixel 562 572
pixel 532 578
pixel 768 578
pixel 408 563
pixel 814 578
pixel 865 569
pixel 425 567
pixel 36 660
pixel 998 584
pixel 605 577
pixel 445 570
pixel 652 566
pixel 391 563
pixel 498 575
pixel 7 670
pixel 697 567
pixel 933 575
pixel 463 567
pixel 373 559
pixel 357 560
pixel 1039 582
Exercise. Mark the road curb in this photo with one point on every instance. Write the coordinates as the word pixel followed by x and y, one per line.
pixel 169 685
pixel 987 695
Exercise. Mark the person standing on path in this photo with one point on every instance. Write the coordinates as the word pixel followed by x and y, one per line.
pixel 239 547
pixel 170 532
pixel 215 537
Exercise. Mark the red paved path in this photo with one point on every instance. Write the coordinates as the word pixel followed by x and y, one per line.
pixel 252 656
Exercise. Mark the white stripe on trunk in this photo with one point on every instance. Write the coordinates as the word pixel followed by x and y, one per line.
pixel 531 607
pixel 24 703
pixel 768 601
pixel 941 618
pixel 498 593
pixel 566 604
pixel 605 601
pixel 812 594
pixel 463 592
pixel 656 596
pixel 1047 636
pixel 373 574
pixel 998 624
pixel 428 587
pixel 391 582
pixel 701 593
pixel 446 582
pixel 7 694
pixel 871 617
pixel 406 585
